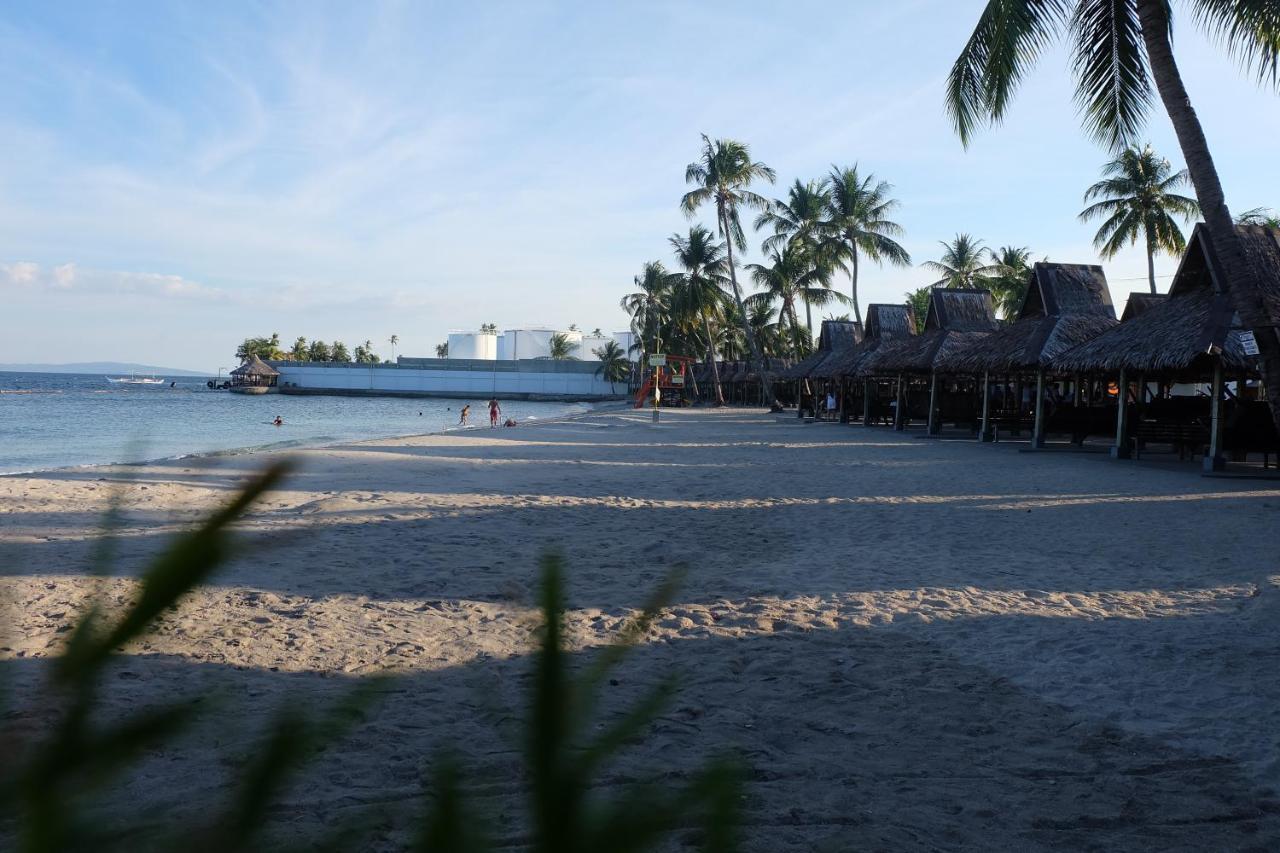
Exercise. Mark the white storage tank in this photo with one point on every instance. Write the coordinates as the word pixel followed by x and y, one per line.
pixel 502 348
pixel 589 344
pixel 528 343
pixel 626 340
pixel 476 345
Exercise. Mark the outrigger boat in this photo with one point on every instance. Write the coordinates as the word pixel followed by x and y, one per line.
pixel 133 379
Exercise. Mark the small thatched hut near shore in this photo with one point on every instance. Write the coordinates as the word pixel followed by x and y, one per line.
pixel 1194 335
pixel 255 376
pixel 885 324
pixel 955 319
pixel 1065 305
pixel 836 336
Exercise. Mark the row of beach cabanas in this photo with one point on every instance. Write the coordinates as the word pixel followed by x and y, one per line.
pixel 1175 370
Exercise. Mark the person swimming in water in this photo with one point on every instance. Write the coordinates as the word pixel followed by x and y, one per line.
pixel 279 421
pixel 466 413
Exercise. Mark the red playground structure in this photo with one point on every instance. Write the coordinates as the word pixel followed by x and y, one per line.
pixel 671 380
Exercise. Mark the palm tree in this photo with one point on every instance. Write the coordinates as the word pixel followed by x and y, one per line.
pixel 299 351
pixel 1137 200
pixel 791 275
pixel 369 355
pixel 918 301
pixel 723 175
pixel 647 305
pixel 1011 267
pixel 701 295
pixel 561 348
pixel 1263 216
pixel 798 220
pixel 339 352
pixel 962 263
pixel 393 340
pixel 442 350
pixel 613 363
pixel 1120 48
pixel 858 223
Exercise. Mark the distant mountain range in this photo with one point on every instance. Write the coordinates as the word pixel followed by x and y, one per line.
pixel 101 367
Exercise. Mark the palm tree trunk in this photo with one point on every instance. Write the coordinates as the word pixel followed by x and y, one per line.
pixel 1151 261
pixel 1243 289
pixel 808 316
pixel 853 277
pixel 711 357
pixel 766 379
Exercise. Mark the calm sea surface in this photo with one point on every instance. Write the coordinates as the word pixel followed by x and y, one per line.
pixel 57 420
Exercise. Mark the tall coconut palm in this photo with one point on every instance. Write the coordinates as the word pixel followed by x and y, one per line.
pixel 647 305
pixel 1120 48
pixel 702 294
pixel 1137 200
pixel 560 347
pixel 723 175
pixel 1011 272
pixel 858 223
pixel 963 263
pixel 393 340
pixel 442 350
pixel 799 221
pixel 613 363
pixel 791 276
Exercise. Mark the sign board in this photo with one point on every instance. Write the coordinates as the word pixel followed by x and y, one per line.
pixel 677 380
pixel 658 360
pixel 1249 343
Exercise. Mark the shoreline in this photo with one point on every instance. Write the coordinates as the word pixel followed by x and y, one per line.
pixel 300 444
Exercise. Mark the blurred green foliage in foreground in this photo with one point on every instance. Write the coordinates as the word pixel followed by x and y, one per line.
pixel 47 781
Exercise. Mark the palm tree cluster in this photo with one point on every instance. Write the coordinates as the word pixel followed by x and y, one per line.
pixel 821 229
pixel 269 348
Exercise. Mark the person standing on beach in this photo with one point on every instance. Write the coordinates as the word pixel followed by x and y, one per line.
pixel 466 412
pixel 494 411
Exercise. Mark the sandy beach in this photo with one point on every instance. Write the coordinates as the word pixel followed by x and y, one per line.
pixel 913 644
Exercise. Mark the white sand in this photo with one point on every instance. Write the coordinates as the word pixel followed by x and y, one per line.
pixel 914 644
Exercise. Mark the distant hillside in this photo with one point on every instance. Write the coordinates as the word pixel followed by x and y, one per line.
pixel 102 367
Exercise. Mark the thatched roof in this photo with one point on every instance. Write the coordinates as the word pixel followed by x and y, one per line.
pixel 255 366
pixel 1183 333
pixel 1064 306
pixel 836 336
pixel 1139 303
pixel 885 323
pixel 957 317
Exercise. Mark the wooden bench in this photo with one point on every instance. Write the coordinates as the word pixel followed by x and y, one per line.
pixel 1187 437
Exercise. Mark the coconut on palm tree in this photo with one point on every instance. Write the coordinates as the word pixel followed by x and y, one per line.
pixel 613 363
pixel 723 175
pixel 799 221
pixel 1137 200
pixel 963 263
pixel 701 295
pixel 858 224
pixel 1119 49
pixel 1010 274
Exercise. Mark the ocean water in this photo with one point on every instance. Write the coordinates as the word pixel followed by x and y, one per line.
pixel 59 420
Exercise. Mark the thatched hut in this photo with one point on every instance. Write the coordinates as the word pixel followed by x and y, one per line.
pixel 885 324
pixel 1192 336
pixel 836 336
pixel 255 376
pixel 1064 306
pixel 955 319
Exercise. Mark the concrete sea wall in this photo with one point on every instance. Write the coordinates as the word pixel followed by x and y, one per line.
pixel 526 379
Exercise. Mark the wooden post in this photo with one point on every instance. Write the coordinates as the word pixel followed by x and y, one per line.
pixel 985 435
pixel 1213 460
pixel 1037 432
pixel 900 410
pixel 866 402
pixel 1120 450
pixel 934 422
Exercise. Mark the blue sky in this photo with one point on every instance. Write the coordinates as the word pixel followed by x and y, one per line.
pixel 175 177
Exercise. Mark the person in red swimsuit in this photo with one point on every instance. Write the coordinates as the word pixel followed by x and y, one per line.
pixel 494 411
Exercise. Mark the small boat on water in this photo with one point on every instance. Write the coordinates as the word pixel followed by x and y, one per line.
pixel 133 379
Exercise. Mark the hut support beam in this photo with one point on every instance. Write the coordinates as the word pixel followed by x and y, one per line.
pixel 935 415
pixel 985 435
pixel 1213 460
pixel 1037 432
pixel 866 402
pixel 900 410
pixel 1120 450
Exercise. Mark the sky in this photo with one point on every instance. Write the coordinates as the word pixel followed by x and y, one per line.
pixel 175 176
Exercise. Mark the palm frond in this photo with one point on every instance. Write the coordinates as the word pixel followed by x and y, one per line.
pixel 1249 30
pixel 1113 87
